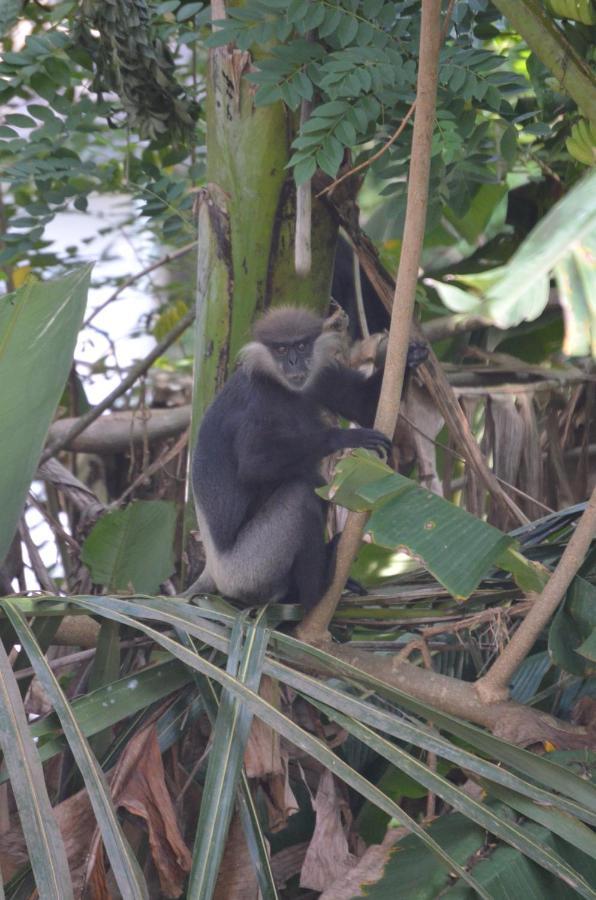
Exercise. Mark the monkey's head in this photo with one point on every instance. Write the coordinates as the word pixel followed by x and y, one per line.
pixel 290 345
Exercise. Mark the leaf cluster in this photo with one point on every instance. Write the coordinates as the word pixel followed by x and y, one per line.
pixel 130 60
pixel 54 147
pixel 356 62
pixel 351 58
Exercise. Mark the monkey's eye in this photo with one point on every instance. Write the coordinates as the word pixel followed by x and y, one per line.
pixel 281 350
pixel 301 346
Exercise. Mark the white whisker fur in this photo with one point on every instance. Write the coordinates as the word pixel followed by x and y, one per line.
pixel 256 358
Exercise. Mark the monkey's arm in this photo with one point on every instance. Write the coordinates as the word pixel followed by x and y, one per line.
pixel 280 455
pixel 349 393
pixel 355 396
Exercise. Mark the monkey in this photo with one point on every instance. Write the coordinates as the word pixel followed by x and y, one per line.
pixel 255 464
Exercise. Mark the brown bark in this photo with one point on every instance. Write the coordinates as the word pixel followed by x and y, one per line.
pixel 519 724
pixel 317 621
pixel 114 433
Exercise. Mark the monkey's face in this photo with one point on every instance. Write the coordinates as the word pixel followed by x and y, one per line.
pixel 293 360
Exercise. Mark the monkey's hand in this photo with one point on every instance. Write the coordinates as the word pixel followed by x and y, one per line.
pixel 417 354
pixel 370 439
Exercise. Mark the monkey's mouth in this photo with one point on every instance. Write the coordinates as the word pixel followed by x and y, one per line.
pixel 298 378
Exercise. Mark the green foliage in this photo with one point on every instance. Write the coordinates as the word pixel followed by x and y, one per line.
pixel 455 546
pixel 573 630
pixel 577 10
pixel 563 243
pixel 22 763
pixel 130 60
pixel 356 61
pixel 501 871
pixel 582 142
pixel 131 549
pixel 55 149
pixel 248 643
pixel 39 325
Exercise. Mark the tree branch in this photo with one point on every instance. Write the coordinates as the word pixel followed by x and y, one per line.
pixel 513 722
pixel 494 686
pixel 314 627
pixel 141 367
pixel 164 260
pixel 116 432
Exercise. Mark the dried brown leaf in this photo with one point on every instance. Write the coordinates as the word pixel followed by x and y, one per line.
pixel 279 797
pixel 368 870
pixel 508 435
pixel 287 863
pixel 328 856
pixel 139 786
pixel 76 821
pixel 236 879
pixel 560 492
pixel 426 421
pixel 530 475
pixel 262 756
pixel 474 487
pixel 369 352
pixel 13 852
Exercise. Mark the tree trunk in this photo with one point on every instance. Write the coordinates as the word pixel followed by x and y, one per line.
pixel 246 224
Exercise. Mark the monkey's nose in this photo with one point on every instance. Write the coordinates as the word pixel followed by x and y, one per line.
pixel 292 357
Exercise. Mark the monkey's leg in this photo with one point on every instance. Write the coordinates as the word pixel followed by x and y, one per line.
pixel 204 584
pixel 257 568
pixel 311 574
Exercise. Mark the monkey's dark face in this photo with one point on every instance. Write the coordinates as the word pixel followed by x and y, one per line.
pixel 293 359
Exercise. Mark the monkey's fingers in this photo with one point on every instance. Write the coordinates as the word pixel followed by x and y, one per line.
pixel 417 354
pixel 375 440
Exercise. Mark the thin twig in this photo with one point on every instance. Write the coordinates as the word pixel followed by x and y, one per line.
pixel 371 159
pixel 469 623
pixel 168 258
pixel 54 523
pixel 358 294
pixel 399 130
pixel 135 373
pixel 157 464
pixel 430 372
pixel 314 627
pixel 446 449
pixel 39 570
pixel 64 661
